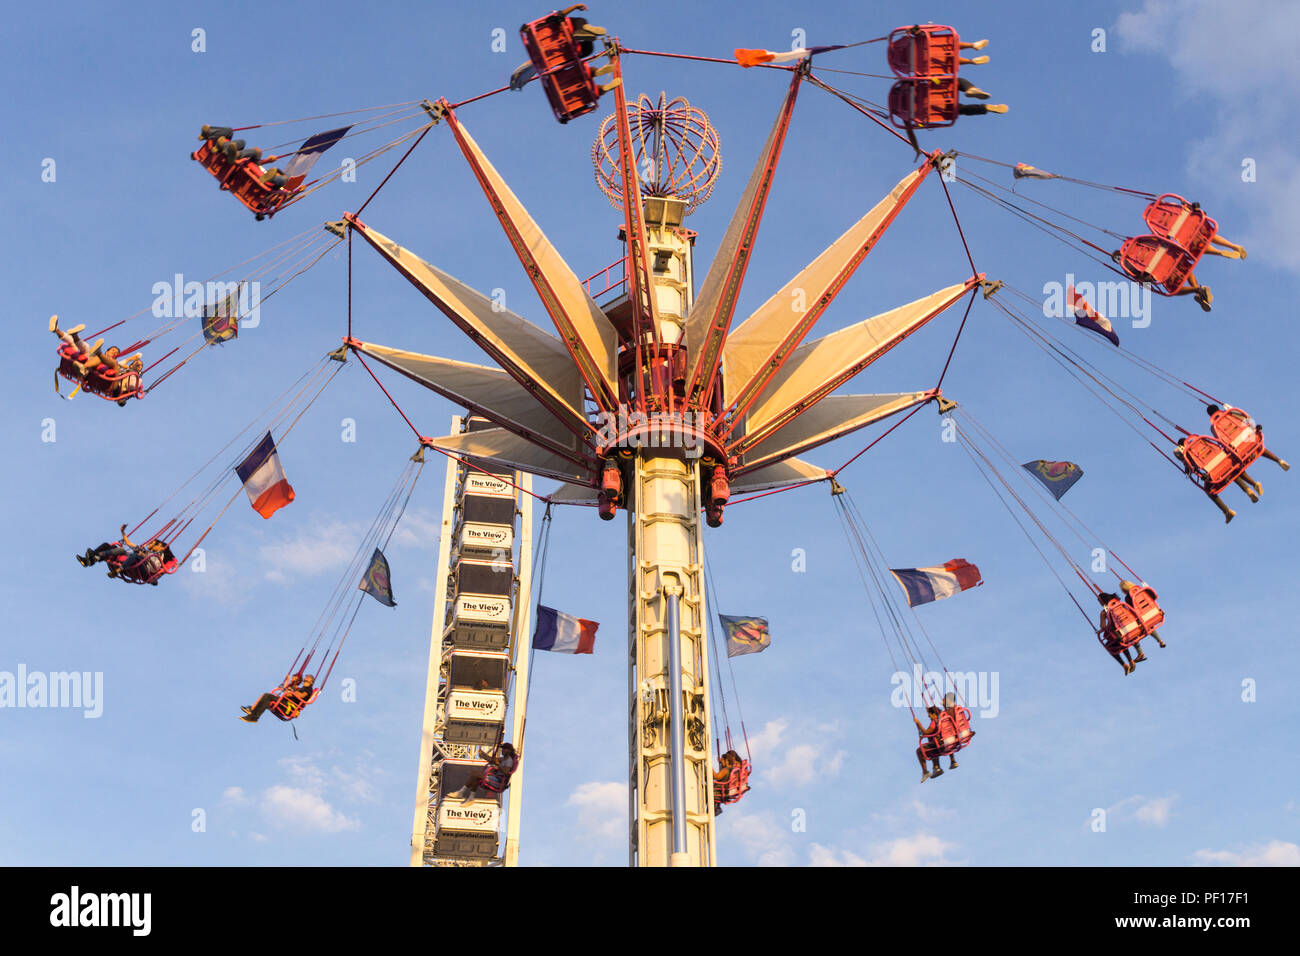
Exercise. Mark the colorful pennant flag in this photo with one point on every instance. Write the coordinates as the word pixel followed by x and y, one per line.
pixel 745 635
pixel 377 582
pixel 1025 171
pixel 522 74
pixel 923 585
pixel 221 319
pixel 264 480
pixel 1058 477
pixel 557 631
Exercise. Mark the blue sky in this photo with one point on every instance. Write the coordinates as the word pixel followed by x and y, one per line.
pixel 1187 771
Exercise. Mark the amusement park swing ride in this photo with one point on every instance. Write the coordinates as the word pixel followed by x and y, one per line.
pixel 654 398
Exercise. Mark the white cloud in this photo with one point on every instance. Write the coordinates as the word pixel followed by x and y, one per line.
pixel 219 582
pixel 797 767
pixel 301 802
pixel 299 809
pixel 819 855
pixel 921 849
pixel 925 811
pixel 1155 811
pixel 304 772
pixel 768 739
pixel 602 808
pixel 419 528
pixel 355 786
pixel 1273 853
pixel 764 838
pixel 799 764
pixel 1152 811
pixel 321 546
pixel 1240 105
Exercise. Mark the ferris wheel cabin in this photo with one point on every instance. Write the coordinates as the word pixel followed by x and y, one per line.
pixel 467 829
pixel 482 609
pixel 486 525
pixel 476 696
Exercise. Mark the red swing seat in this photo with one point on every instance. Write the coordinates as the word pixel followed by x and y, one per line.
pixel 146 571
pixel 929 50
pixel 1214 465
pixel 289 704
pixel 571 89
pixel 923 103
pixel 1172 217
pixel 735 786
pixel 1243 438
pixel 119 386
pixel 1149 613
pixel 1123 629
pixel 1157 260
pixel 243 178
pixel 953 734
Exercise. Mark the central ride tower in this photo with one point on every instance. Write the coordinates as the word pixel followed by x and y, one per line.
pixel 659 459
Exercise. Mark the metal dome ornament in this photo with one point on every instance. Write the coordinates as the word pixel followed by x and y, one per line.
pixel 676 151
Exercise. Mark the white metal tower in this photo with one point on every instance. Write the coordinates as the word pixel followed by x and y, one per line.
pixel 478 661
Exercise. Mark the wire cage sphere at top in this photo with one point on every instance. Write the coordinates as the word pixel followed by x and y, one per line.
pixel 675 147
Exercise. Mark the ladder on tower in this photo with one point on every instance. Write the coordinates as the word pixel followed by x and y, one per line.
pixel 478 662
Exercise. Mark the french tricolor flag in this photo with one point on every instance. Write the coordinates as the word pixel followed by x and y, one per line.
pixel 924 585
pixel 1088 317
pixel 557 631
pixel 264 480
pixel 748 58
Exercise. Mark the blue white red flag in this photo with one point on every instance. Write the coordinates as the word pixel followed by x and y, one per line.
pixel 923 585
pixel 748 58
pixel 264 480
pixel 1088 317
pixel 557 631
pixel 305 158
